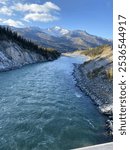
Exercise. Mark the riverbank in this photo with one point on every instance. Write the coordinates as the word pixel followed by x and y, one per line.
pixel 93 79
pixel 15 51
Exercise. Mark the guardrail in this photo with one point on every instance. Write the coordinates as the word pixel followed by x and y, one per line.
pixel 106 146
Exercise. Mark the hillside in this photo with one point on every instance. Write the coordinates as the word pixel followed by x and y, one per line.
pixel 62 39
pixel 15 51
pixel 95 78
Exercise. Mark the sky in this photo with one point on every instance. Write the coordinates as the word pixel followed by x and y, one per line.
pixel 93 16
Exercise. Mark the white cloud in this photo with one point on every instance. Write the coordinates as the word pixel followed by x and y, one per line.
pixel 1 20
pixel 6 11
pixel 30 12
pixel 36 12
pixel 44 8
pixel 42 17
pixel 13 23
pixel 3 2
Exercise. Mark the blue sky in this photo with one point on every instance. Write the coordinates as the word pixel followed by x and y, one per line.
pixel 94 16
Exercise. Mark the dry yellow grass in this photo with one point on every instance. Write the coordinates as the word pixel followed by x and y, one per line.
pixel 104 51
pixel 109 73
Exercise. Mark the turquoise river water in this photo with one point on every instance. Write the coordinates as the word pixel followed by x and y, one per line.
pixel 42 109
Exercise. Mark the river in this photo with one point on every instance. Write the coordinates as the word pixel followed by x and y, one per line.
pixel 42 109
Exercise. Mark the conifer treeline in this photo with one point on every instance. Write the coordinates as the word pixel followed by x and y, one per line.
pixel 8 35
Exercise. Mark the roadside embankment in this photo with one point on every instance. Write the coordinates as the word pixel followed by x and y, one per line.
pixel 95 78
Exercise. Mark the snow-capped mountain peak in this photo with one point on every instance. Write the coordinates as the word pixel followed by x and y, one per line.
pixel 57 28
pixel 56 31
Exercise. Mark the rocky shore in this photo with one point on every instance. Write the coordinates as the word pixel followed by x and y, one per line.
pixel 92 78
pixel 13 56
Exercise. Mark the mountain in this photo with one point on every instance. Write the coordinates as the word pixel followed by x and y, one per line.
pixel 56 31
pixel 15 51
pixel 61 39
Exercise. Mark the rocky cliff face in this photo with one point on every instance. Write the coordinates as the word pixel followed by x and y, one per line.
pixel 13 56
pixel 15 51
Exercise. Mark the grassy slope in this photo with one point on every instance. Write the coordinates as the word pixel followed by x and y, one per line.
pixel 102 56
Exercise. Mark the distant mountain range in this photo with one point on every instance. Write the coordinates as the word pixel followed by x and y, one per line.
pixel 61 39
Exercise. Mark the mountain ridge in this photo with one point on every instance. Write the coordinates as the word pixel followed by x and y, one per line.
pixel 62 39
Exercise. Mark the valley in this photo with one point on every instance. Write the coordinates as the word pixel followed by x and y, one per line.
pixel 52 101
